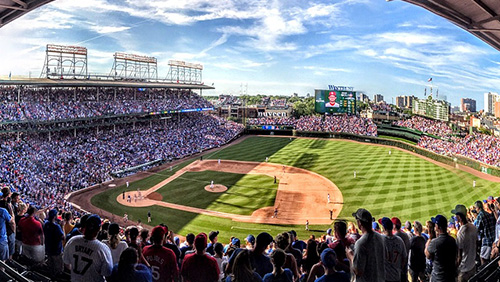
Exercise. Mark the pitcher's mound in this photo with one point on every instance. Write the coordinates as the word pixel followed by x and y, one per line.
pixel 218 188
pixel 155 196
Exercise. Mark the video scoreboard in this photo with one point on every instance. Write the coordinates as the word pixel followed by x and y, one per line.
pixel 335 101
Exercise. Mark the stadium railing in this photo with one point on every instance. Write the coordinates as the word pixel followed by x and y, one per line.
pixel 489 273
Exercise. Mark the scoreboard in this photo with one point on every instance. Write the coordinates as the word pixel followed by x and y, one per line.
pixel 335 101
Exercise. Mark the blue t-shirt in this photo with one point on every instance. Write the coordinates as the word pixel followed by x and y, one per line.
pixel 141 273
pixel 286 276
pixel 339 276
pixel 53 238
pixel 4 220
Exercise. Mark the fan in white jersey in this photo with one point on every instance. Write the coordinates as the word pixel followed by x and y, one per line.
pixel 88 258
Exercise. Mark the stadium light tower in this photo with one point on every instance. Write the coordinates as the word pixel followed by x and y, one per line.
pixel 130 66
pixel 182 72
pixel 65 62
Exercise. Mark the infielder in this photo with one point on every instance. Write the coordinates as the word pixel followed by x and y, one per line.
pixel 474 184
pixel 212 185
pixel 328 197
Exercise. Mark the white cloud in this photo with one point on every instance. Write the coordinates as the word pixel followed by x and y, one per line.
pixel 109 29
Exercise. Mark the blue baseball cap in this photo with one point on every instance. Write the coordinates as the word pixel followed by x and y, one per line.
pixel 375 226
pixel 386 223
pixel 440 221
pixel 250 239
pixel 235 242
pixel 328 258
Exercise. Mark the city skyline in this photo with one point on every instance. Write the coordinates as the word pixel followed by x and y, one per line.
pixel 276 48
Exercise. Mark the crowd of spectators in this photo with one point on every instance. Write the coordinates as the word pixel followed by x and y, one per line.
pixel 45 104
pixel 480 147
pixel 443 248
pixel 382 106
pixel 434 127
pixel 272 121
pixel 338 123
pixel 45 170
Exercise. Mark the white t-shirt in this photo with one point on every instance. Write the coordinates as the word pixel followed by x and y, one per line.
pixel 466 241
pixel 90 260
pixel 115 253
pixel 369 257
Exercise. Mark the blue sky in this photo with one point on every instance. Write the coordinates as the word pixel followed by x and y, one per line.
pixel 274 47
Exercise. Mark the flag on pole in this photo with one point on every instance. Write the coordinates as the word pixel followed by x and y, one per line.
pixel 10 75
pixel 429 80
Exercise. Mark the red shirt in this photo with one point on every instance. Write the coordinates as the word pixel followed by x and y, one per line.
pixel 31 231
pixel 200 268
pixel 162 261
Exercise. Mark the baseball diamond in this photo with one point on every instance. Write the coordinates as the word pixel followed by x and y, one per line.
pixel 385 183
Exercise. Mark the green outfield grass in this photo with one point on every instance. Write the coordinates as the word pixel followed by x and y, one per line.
pixel 399 184
pixel 188 190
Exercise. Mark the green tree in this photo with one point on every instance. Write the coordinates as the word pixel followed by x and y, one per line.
pixel 304 107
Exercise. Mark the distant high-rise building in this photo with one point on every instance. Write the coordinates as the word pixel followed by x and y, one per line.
pixel 400 101
pixel 468 105
pixel 432 108
pixel 362 97
pixel 378 98
pixel 489 101
pixel 409 101
pixel 497 109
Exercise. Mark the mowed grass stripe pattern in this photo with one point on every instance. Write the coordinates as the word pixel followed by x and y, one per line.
pixel 245 194
pixel 397 184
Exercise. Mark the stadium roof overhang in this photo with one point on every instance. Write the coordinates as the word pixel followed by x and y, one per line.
pixel 479 17
pixel 13 9
pixel 45 82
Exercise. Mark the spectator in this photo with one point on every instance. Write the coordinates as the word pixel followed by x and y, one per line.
pixel 169 242
pixel 129 268
pixel 54 237
pixel 342 241
pixel 317 270
pixel 250 241
pixel 87 258
pixel 5 220
pixel 417 254
pixel 466 242
pixel 212 236
pixel 188 247
pixel 485 223
pixel 311 256
pixel 406 240
pixel 395 263
pixel 32 237
pixel 282 243
pixel 242 268
pixel 21 211
pixel 220 258
pixel 278 257
pixel 369 255
pixel 329 259
pixel 259 261
pixel 200 267
pixel 5 203
pixel 443 252
pixel 116 246
pixel 162 260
